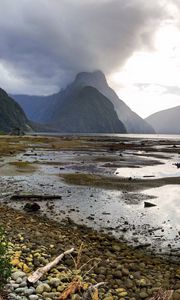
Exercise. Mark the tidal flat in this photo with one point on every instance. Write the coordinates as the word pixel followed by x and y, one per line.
pixel 104 183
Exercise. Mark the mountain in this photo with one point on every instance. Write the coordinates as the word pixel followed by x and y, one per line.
pixel 12 117
pixel 88 111
pixel 132 122
pixel 166 121
pixel 50 107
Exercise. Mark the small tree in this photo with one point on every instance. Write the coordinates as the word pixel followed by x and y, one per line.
pixel 5 266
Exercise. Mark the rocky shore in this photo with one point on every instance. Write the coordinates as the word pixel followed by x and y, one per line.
pixel 129 273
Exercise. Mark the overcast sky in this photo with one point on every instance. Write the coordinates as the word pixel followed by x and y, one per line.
pixel 136 43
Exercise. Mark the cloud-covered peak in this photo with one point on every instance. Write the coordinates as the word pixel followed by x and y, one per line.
pixel 91 77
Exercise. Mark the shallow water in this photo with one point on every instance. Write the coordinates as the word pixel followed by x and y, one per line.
pixel 167 168
pixel 109 210
pixel 125 135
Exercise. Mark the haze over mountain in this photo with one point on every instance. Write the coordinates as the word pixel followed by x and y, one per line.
pixel 48 109
pixel 166 121
pixel 37 107
pixel 12 115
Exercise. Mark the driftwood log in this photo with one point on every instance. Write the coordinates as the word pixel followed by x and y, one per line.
pixel 35 197
pixel 41 271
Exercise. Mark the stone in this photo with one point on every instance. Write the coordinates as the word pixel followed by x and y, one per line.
pixel 148 204
pixel 117 274
pixel 52 295
pixel 178 273
pixel 143 295
pixel 116 248
pixel 33 297
pixel 43 287
pixel 101 270
pixel 142 282
pixel 18 274
pixel 75 297
pixel 14 285
pixel 125 272
pixel 14 296
pixel 20 290
pixel 177 286
pixel 54 282
pixel 23 284
pixel 30 291
pixel 31 207
pixel 123 294
pixel 120 290
pixel 19 280
pixel 61 288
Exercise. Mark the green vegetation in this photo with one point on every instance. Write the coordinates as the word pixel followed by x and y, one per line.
pixel 11 114
pixel 5 266
pixel 24 166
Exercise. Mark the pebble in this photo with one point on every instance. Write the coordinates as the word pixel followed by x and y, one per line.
pixel 54 282
pixel 43 287
pixel 33 297
pixel 143 295
pixel 18 274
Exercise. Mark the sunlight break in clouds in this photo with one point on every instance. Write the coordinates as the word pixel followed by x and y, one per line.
pixel 148 77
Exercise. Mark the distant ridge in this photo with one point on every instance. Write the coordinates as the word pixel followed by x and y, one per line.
pixel 48 109
pixel 166 121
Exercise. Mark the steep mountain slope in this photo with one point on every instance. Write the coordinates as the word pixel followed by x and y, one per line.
pixel 166 121
pixel 50 107
pixel 11 114
pixel 88 111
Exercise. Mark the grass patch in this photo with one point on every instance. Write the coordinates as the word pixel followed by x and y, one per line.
pixel 107 158
pixel 8 148
pixel 117 183
pixel 23 166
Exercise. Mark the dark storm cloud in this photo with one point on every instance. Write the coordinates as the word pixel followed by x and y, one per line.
pixel 44 43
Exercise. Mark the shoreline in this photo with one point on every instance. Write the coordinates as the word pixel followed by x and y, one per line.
pixel 120 264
